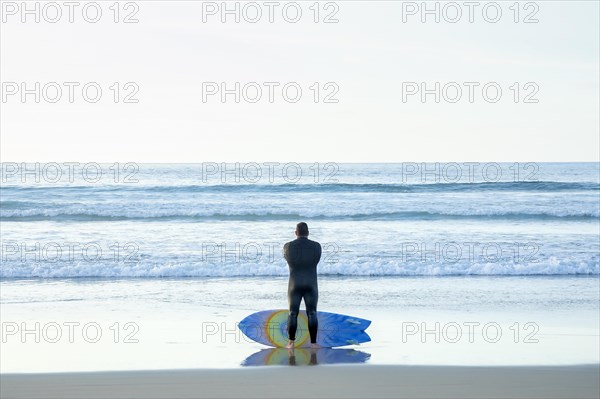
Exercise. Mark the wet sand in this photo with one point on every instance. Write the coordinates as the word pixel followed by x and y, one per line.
pixel 354 381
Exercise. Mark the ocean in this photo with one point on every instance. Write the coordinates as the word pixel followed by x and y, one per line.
pixel 209 220
pixel 166 253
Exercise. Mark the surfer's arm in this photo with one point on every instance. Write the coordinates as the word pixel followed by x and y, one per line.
pixel 285 250
pixel 319 252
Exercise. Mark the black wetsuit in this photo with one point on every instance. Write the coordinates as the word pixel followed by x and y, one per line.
pixel 302 256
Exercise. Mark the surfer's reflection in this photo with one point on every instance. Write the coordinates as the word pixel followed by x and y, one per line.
pixel 292 356
pixel 304 356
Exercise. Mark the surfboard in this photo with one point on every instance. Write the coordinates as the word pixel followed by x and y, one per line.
pixel 269 327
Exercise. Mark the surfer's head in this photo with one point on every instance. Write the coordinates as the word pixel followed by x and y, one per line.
pixel 302 229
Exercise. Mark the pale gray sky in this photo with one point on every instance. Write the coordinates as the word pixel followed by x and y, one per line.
pixel 369 55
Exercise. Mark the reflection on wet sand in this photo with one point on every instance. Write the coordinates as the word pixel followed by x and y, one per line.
pixel 304 356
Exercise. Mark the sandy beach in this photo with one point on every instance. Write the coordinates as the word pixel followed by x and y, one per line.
pixel 316 382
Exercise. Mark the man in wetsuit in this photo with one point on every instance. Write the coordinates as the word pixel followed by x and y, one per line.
pixel 302 256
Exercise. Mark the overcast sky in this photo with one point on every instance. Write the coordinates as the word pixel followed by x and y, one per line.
pixel 366 62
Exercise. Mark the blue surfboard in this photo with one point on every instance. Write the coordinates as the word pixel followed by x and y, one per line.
pixel 269 327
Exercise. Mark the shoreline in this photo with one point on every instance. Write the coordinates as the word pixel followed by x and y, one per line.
pixel 325 381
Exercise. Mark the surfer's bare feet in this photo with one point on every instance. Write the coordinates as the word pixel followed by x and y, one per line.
pixel 315 346
pixel 290 345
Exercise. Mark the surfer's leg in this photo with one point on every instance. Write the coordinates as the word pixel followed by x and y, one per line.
pixel 311 297
pixel 294 299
